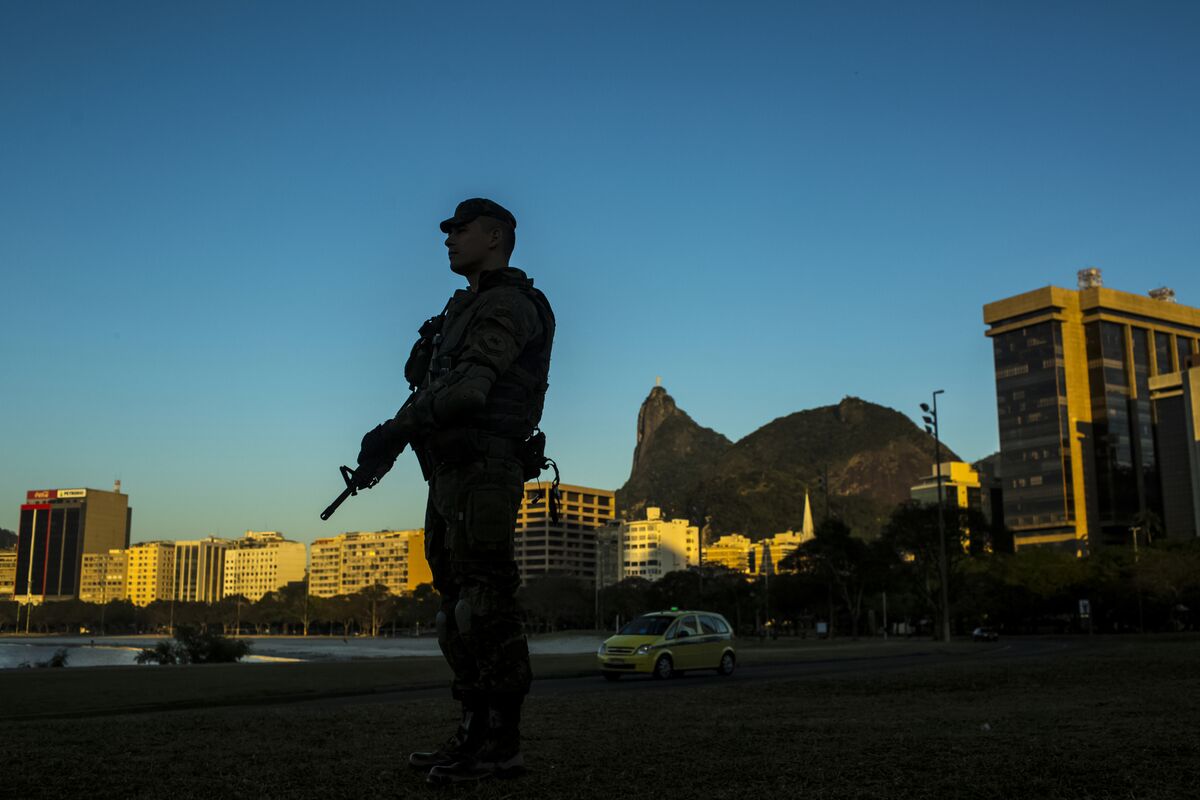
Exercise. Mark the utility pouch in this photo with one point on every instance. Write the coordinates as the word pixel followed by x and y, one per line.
pixel 489 520
pixel 533 456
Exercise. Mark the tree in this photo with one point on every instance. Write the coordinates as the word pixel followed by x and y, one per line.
pixel 627 599
pixel 848 564
pixel 294 605
pixel 911 533
pixel 370 605
pixel 1170 576
pixel 558 601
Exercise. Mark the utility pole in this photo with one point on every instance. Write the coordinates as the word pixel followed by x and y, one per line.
pixel 931 419
pixel 1134 531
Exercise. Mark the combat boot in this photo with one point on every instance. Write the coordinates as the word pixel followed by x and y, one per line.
pixel 470 736
pixel 500 756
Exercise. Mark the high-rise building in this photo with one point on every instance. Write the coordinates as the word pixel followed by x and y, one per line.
pixel 1078 455
pixel 261 562
pixel 655 546
pixel 57 527
pixel 610 555
pixel 104 576
pixel 150 572
pixel 543 547
pixel 8 573
pixel 1176 399
pixel 350 562
pixel 200 569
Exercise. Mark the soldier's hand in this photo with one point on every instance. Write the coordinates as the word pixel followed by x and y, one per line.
pixel 377 442
pixel 371 471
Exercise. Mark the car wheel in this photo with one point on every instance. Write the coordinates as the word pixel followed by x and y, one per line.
pixel 663 668
pixel 612 676
pixel 727 664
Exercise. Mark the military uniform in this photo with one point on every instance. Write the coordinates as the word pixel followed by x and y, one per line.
pixel 476 464
pixel 477 474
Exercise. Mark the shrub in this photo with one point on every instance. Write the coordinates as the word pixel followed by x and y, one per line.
pixel 192 646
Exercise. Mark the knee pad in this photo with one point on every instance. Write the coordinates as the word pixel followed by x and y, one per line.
pixel 462 616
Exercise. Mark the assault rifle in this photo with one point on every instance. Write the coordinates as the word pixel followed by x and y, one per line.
pixel 366 476
pixel 370 472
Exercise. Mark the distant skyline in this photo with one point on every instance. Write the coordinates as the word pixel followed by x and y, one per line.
pixel 218 223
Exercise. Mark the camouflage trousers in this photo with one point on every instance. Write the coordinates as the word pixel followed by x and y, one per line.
pixel 469 523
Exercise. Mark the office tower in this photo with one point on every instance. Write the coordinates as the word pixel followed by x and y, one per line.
pixel 57 527
pixel 610 555
pixel 1176 399
pixel 1078 455
pixel 200 569
pixel 349 562
pixel 567 547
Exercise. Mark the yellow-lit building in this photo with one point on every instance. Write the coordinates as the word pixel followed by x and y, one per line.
pixel 325 567
pixel 261 562
pixel 655 546
pixel 568 547
pixel 960 486
pixel 8 573
pixel 104 577
pixel 1176 400
pixel 773 549
pixel 150 570
pixel 1078 452
pixel 732 551
pixel 349 562
pixel 200 569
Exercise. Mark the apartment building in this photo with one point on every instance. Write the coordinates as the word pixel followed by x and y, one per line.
pixel 350 562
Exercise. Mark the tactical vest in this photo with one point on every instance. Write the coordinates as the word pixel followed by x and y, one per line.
pixel 514 404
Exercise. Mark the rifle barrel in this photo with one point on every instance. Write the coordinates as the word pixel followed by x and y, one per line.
pixel 327 513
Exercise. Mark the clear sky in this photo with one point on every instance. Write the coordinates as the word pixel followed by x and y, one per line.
pixel 218 220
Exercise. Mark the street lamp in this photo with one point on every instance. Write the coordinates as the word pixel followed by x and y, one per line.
pixel 931 426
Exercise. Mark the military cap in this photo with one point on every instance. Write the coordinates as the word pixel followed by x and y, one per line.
pixel 468 210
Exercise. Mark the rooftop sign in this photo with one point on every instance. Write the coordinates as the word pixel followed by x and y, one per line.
pixel 54 494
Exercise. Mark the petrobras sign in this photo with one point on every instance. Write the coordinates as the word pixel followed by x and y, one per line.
pixel 35 495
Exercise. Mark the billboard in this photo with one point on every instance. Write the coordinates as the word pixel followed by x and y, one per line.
pixel 34 495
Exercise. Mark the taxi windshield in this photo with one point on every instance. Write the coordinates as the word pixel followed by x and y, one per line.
pixel 649 625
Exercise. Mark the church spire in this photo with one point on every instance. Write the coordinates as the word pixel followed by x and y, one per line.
pixel 807 529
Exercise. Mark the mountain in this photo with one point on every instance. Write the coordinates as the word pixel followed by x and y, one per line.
pixel 756 486
pixel 672 455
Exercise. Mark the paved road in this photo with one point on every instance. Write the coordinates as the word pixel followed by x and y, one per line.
pixel 755 674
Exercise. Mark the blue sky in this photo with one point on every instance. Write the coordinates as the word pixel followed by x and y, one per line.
pixel 218 221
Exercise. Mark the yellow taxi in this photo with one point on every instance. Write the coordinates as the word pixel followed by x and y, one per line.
pixel 666 643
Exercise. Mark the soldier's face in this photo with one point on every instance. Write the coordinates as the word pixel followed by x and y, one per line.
pixel 468 246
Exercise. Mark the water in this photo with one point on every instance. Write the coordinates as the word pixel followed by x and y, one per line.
pixel 120 650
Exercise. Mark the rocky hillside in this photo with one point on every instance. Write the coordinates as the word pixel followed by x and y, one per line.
pixel 756 486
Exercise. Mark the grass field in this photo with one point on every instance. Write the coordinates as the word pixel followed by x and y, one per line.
pixel 1116 718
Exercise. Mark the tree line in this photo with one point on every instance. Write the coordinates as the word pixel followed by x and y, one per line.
pixel 852 585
